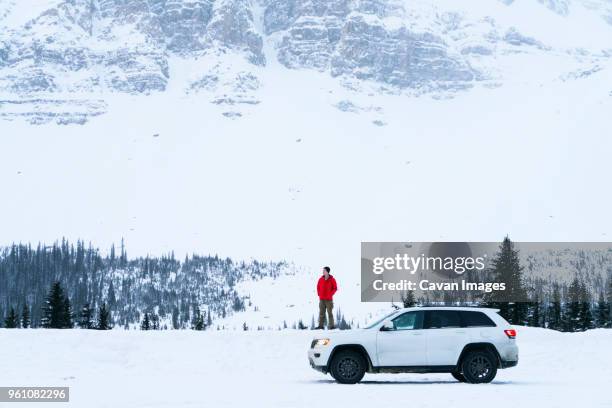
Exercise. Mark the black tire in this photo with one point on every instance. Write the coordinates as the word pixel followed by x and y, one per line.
pixel 458 376
pixel 348 367
pixel 479 367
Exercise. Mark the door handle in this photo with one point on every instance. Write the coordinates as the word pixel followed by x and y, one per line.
pixel 417 334
pixel 460 331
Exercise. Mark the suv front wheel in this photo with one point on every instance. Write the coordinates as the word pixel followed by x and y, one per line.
pixel 348 367
pixel 479 367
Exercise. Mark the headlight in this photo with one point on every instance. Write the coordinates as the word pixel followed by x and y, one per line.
pixel 320 342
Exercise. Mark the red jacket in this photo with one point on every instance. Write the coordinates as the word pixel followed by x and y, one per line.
pixel 326 288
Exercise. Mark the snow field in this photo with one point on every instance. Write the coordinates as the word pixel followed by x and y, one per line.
pixel 269 369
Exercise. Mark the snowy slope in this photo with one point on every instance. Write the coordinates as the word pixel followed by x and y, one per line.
pixel 297 178
pixel 269 369
pixel 274 303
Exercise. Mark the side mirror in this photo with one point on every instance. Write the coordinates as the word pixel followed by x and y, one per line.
pixel 387 326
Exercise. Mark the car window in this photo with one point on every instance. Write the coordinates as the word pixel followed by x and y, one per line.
pixel 388 316
pixel 441 319
pixel 476 319
pixel 408 321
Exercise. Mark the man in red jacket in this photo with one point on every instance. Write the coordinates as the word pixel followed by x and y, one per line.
pixel 326 288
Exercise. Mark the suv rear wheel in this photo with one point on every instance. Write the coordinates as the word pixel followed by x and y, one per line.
pixel 348 367
pixel 479 367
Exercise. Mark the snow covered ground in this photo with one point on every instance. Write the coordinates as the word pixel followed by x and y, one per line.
pixel 269 369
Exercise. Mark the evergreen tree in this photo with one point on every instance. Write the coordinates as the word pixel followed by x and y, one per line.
pixel 208 319
pixel 25 316
pixel 204 326
pixel 112 255
pixel 154 321
pixel 238 305
pixel 198 320
pixel 586 317
pixel 534 313
pixel 195 317
pixel 408 299
pixel 341 321
pixel 146 323
pixel 245 327
pixel 555 318
pixel 85 317
pixel 123 256
pixel 506 268
pixel 574 306
pixel 67 314
pixel 54 309
pixel 505 309
pixel 184 312
pixel 603 312
pixel 103 318
pixel 112 300
pixel 11 321
pixel 175 318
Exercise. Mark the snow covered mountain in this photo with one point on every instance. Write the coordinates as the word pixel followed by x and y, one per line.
pixel 53 50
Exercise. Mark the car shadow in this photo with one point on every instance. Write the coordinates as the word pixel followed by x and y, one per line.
pixel 412 382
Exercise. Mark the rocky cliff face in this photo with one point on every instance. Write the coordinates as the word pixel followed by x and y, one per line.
pixel 399 57
pixel 120 45
pixel 355 39
pixel 127 46
pixel 124 45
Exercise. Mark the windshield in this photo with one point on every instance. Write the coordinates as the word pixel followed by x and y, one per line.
pixel 381 319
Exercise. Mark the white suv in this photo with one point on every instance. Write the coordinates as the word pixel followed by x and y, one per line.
pixel 469 343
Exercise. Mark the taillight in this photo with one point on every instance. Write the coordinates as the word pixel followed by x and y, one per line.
pixel 511 333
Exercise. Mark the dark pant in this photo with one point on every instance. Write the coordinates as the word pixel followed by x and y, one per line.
pixel 326 305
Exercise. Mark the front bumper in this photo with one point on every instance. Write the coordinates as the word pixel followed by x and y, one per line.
pixel 322 369
pixel 317 358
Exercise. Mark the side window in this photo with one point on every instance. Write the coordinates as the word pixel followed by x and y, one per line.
pixel 408 321
pixel 476 319
pixel 441 319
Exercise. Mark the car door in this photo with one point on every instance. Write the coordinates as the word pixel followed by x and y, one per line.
pixel 445 336
pixel 405 345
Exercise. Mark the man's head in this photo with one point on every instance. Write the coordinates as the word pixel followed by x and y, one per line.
pixel 326 271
